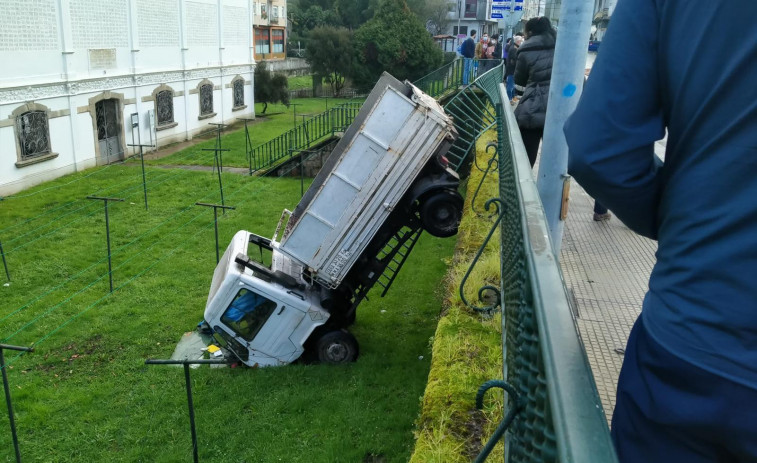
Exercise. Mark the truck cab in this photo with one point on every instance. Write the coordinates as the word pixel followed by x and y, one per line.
pixel 265 317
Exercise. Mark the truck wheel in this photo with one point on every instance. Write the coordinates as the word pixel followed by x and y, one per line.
pixel 441 213
pixel 337 347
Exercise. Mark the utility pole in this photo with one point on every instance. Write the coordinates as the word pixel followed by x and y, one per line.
pixel 565 89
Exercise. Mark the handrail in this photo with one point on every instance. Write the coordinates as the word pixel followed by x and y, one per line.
pixel 304 135
pixel 545 358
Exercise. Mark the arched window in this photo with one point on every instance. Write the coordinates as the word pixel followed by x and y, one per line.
pixel 33 134
pixel 238 89
pixel 164 107
pixel 206 99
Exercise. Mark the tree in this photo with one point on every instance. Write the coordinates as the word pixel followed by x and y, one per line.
pixel 436 16
pixel 331 55
pixel 395 41
pixel 270 88
pixel 354 13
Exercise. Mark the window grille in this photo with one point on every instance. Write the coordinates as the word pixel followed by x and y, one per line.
pixel 33 134
pixel 206 99
pixel 238 88
pixel 164 103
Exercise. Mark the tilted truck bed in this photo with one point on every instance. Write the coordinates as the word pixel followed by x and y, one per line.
pixel 397 131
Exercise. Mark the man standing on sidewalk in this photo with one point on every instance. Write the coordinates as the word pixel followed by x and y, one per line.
pixel 688 387
pixel 467 49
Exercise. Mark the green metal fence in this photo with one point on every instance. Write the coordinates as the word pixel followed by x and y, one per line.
pixel 560 417
pixel 449 78
pixel 304 135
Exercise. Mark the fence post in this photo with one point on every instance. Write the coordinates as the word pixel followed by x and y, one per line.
pixel 107 233
pixel 8 402
pixel 188 385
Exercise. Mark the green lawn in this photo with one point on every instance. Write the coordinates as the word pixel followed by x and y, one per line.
pixel 277 120
pixel 85 394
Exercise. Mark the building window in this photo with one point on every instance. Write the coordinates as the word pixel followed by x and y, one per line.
pixel 237 87
pixel 206 99
pixel 470 8
pixel 263 11
pixel 278 40
pixel 33 134
pixel 463 30
pixel 164 105
pixel 262 45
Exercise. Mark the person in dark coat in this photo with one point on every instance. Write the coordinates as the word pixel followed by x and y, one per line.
pixel 467 49
pixel 533 71
pixel 510 61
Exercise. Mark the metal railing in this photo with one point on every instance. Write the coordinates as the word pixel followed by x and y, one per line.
pixel 304 135
pixel 553 409
pixel 449 78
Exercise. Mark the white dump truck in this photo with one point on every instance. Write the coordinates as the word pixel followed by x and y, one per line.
pixel 384 183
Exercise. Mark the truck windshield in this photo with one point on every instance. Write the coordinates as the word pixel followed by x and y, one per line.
pixel 247 313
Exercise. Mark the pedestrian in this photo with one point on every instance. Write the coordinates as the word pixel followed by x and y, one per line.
pixel 467 49
pixel 490 54
pixel 533 70
pixel 687 390
pixel 512 56
pixel 479 54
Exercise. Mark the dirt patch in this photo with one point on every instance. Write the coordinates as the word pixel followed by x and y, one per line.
pixel 473 434
pixel 374 458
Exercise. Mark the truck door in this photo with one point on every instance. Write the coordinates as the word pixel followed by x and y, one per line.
pixel 258 322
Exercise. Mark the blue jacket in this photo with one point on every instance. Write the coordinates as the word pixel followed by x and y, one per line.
pixel 468 48
pixel 660 69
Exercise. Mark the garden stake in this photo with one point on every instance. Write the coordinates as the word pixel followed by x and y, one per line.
pixel 247 141
pixel 215 220
pixel 219 129
pixel 218 161
pixel 135 124
pixel 11 419
pixel 107 233
pixel 5 263
pixel 188 383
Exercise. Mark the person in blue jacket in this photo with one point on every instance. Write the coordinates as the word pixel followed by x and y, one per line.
pixel 468 49
pixel 687 390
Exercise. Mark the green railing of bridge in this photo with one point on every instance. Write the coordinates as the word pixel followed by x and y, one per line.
pixel 304 135
pixel 449 78
pixel 553 411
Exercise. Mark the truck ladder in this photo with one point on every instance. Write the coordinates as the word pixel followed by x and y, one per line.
pixel 395 253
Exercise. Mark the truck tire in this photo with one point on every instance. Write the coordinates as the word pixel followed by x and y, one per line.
pixel 337 347
pixel 441 213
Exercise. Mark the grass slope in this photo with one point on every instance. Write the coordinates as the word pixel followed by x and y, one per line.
pixel 467 348
pixel 85 394
pixel 277 120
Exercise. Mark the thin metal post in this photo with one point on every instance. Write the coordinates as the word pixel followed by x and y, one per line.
pixel 215 221
pixel 142 160
pixel 564 91
pixel 8 402
pixel 5 263
pixel 107 234
pixel 216 152
pixel 247 140
pixel 188 385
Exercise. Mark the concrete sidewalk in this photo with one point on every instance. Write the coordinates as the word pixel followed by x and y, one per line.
pixel 606 268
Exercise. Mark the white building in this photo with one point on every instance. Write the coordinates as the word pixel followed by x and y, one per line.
pixel 79 76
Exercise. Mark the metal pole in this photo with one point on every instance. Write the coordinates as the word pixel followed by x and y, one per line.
pixel 107 238
pixel 564 92
pixel 188 385
pixel 5 263
pixel 191 413
pixel 144 180
pixel 8 403
pixel 107 234
pixel 215 221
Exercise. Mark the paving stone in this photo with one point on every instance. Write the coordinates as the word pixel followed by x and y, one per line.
pixel 606 267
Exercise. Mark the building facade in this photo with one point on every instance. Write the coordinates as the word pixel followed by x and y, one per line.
pixel 467 15
pixel 82 79
pixel 270 23
pixel 603 10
